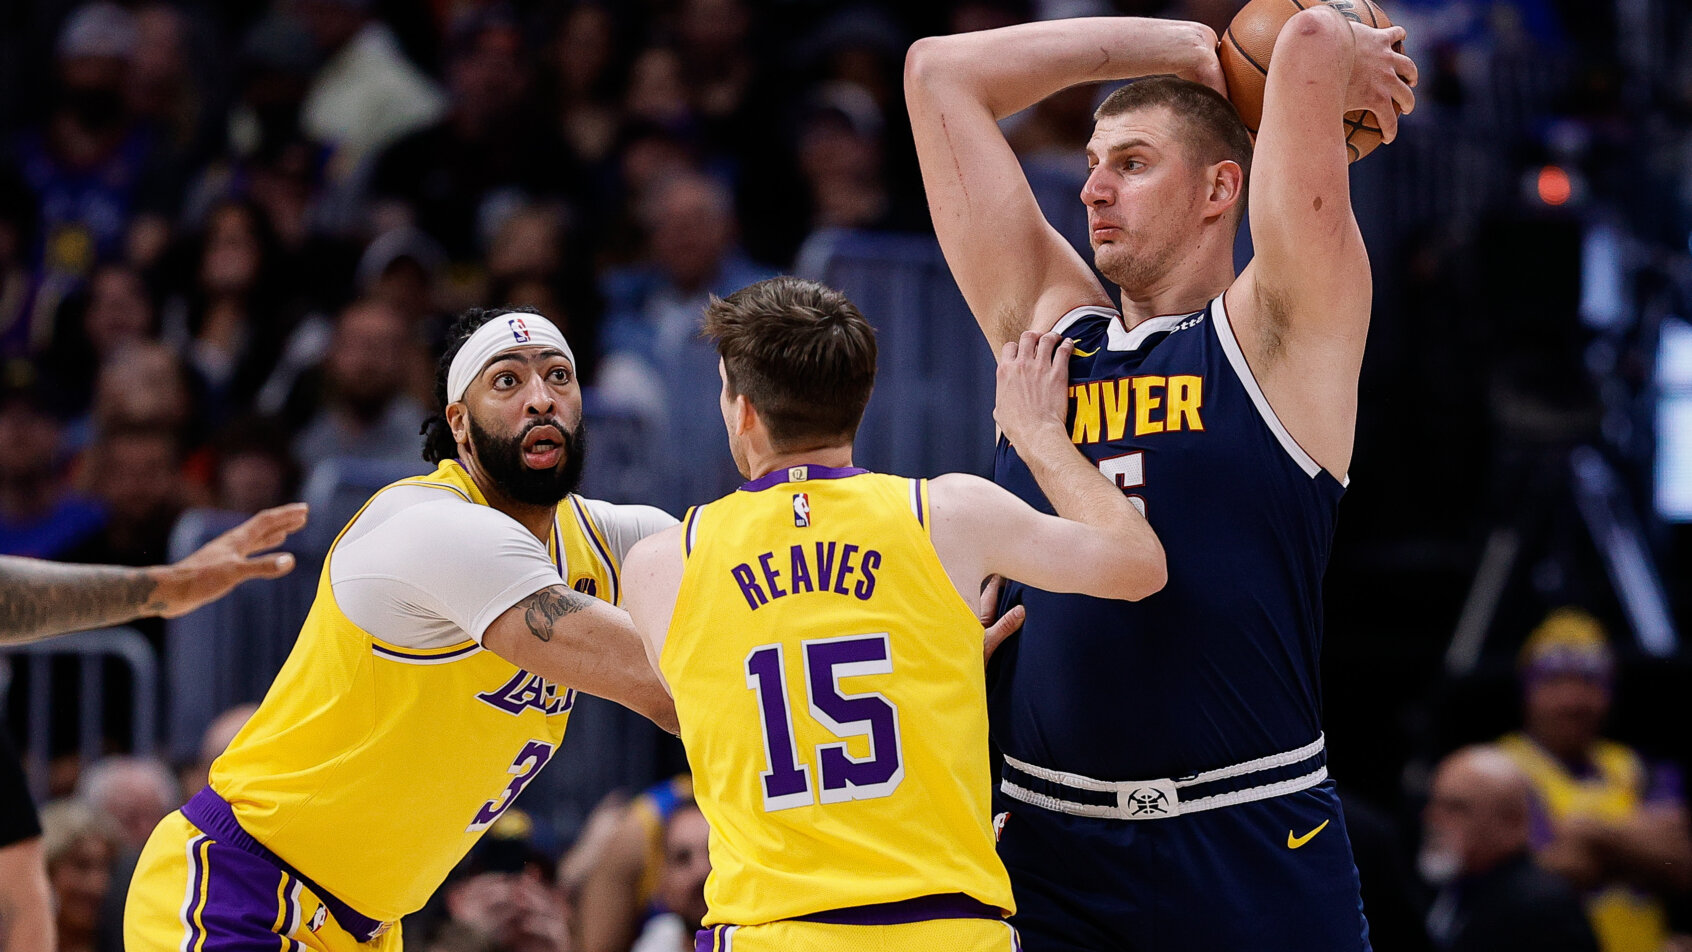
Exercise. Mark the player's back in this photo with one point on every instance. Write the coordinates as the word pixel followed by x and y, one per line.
pixel 1219 668
pixel 829 683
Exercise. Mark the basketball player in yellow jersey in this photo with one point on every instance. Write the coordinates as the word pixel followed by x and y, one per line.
pixel 815 630
pixel 433 678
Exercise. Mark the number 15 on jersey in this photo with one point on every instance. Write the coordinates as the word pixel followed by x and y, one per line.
pixel 840 775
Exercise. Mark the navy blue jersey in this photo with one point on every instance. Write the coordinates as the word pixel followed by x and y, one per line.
pixel 1220 666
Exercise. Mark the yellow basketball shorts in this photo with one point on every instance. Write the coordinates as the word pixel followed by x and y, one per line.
pixel 192 893
pixel 932 935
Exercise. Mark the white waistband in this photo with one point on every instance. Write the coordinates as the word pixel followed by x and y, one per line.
pixel 1160 799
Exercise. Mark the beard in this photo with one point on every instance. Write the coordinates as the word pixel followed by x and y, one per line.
pixel 502 459
pixel 1133 272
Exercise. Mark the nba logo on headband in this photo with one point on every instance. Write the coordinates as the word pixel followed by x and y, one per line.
pixel 519 330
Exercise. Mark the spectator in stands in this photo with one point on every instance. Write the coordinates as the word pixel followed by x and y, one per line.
pixel 134 472
pixel 39 515
pixel 142 385
pixel 80 845
pixel 229 314
pixel 254 467
pixel 367 94
pixel 450 177
pixel 1604 817
pixel 840 155
pixel 500 897
pixel 656 363
pixel 117 310
pixel 681 883
pixel 367 410
pixel 619 889
pixel 90 167
pixel 134 793
pixel 1492 896
pixel 580 93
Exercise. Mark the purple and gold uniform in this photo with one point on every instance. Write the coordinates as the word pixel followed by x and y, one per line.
pixel 371 767
pixel 828 678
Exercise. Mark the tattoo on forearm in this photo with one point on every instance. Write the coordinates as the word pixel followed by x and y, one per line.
pixel 548 605
pixel 39 599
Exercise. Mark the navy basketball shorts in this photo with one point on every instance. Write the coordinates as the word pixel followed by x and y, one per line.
pixel 1273 875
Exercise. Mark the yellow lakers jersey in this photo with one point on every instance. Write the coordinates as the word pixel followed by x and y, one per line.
pixel 373 768
pixel 829 682
pixel 1625 919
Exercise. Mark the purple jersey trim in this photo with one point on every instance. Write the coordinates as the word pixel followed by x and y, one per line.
pixel 920 909
pixel 442 656
pixel 811 471
pixel 215 818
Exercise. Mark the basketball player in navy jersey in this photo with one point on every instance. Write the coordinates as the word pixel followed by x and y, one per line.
pixel 1164 784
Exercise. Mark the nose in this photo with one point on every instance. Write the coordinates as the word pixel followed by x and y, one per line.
pixel 538 398
pixel 1095 191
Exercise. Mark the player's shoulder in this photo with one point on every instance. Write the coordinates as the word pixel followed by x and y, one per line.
pixel 954 494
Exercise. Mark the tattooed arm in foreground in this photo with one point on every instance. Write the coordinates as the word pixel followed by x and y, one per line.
pixel 575 639
pixel 40 599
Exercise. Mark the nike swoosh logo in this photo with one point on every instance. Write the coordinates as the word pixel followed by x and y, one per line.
pixel 1294 842
pixel 1085 353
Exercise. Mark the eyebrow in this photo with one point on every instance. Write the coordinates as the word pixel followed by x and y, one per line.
pixel 1123 145
pixel 539 357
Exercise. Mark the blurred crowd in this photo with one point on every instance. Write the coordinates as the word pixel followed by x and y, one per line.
pixel 232 233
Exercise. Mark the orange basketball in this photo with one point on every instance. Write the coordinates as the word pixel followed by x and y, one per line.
pixel 1245 53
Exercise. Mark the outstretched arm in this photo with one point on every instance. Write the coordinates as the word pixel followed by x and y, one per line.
pixel 1304 316
pixel 40 599
pixel 575 639
pixel 1016 272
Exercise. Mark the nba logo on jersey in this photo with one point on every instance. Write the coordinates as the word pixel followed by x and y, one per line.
pixel 318 918
pixel 519 330
pixel 801 509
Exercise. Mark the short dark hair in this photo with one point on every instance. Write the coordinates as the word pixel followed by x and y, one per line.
pixel 438 443
pixel 801 353
pixel 1211 128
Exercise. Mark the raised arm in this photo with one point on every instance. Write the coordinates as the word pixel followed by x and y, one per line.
pixel 40 599
pixel 578 640
pixel 1304 316
pixel 1016 272
pixel 1098 544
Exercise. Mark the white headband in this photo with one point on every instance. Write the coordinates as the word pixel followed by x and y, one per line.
pixel 503 333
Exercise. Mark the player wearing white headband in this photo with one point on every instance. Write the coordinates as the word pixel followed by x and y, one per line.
pixel 457 616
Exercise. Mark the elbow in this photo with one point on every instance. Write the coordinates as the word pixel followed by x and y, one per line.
pixel 925 62
pixel 1144 576
pixel 1315 34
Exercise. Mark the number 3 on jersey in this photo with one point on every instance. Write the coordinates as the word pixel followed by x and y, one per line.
pixel 1127 471
pixel 530 760
pixel 787 782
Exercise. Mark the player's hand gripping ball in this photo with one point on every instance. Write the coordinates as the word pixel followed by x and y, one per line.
pixel 1245 50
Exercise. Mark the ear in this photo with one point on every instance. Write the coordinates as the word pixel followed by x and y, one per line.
pixel 1226 183
pixel 745 415
pixel 458 421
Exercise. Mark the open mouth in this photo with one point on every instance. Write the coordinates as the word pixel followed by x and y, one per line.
pixel 543 447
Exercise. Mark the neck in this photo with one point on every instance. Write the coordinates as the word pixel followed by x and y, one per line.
pixel 536 519
pixel 831 456
pixel 1182 289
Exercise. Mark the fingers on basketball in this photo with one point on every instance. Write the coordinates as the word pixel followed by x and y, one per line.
pixel 1250 39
